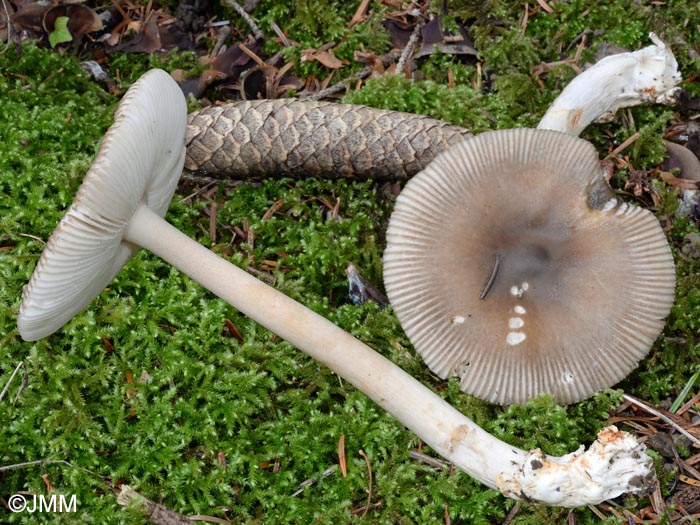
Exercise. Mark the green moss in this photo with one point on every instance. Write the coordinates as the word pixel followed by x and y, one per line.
pixel 460 105
pixel 127 67
pixel 312 25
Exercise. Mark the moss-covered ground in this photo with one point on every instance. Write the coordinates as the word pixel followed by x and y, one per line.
pixel 150 387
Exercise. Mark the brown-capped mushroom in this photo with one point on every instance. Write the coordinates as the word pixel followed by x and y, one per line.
pixel 511 265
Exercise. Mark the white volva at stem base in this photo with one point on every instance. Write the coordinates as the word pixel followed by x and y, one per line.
pixel 613 465
pixel 617 81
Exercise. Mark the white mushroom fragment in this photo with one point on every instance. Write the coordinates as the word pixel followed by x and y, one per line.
pixel 578 283
pixel 118 208
pixel 617 81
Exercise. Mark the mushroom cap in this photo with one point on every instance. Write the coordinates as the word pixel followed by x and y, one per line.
pixel 580 281
pixel 140 160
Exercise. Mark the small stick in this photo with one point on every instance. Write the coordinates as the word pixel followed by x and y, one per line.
pixel 512 513
pixel 428 460
pixel 221 36
pixel 492 277
pixel 31 463
pixel 409 48
pixel 387 60
pixel 304 484
pixel 622 146
pixel 257 33
pixel 664 418
pixel 7 385
pixel 155 512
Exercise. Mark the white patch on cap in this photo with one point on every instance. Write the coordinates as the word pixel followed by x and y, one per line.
pixel 519 291
pixel 519 309
pixel 609 205
pixel 515 322
pixel 515 338
pixel 458 319
pixel 621 210
pixel 568 377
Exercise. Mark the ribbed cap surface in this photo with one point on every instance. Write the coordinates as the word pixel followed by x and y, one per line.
pixel 579 283
pixel 140 160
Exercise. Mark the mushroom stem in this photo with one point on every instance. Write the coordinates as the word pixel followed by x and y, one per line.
pixel 617 81
pixel 614 464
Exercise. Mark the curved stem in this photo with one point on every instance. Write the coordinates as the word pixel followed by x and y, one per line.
pixel 617 81
pixel 516 473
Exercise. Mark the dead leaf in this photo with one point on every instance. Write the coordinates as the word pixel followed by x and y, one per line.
pixel 435 40
pixel 234 60
pixel 146 41
pixel 360 15
pixel 30 16
pixel 676 182
pixel 81 19
pixel 683 160
pixel 206 79
pixel 374 61
pixel 399 32
pixel 326 58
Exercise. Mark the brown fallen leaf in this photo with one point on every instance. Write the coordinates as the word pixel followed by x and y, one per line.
pixel 30 16
pixel 81 19
pixel 147 40
pixel 326 58
pixel 677 182
pixel 683 159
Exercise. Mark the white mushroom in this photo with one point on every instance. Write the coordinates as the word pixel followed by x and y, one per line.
pixel 118 209
pixel 617 81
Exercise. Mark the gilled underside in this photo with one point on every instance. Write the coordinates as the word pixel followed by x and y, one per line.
pixel 511 281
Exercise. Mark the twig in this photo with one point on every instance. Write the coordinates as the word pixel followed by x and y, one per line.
pixel 257 33
pixel 221 35
pixel 280 34
pixel 428 460
pixel 387 60
pixel 359 14
pixel 622 146
pixel 511 514
pixel 32 463
pixel 661 416
pixel 597 512
pixel 409 48
pixel 7 385
pixel 307 483
pixel 156 513
pixel 369 471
